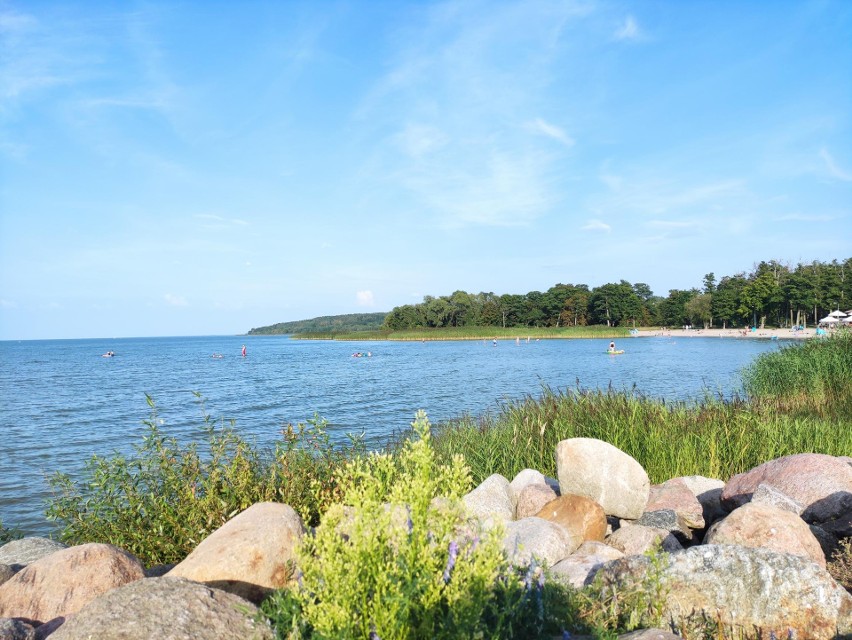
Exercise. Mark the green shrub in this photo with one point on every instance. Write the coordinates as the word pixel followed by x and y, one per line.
pixel 162 501
pixel 8 534
pixel 401 560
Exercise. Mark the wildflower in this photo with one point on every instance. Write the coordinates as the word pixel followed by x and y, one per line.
pixel 451 560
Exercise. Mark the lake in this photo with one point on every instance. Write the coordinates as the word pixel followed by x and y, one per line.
pixel 62 401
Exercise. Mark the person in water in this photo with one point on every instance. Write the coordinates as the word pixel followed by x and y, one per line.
pixel 612 347
pixel 244 351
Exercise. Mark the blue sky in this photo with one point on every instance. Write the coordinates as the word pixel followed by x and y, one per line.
pixel 189 168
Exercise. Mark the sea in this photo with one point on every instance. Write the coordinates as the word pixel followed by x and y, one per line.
pixel 62 401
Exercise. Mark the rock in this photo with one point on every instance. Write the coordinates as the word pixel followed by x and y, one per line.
pixel 840 527
pixel 19 553
pixel 531 499
pixel 770 496
pixel 491 501
pixel 250 555
pixel 670 521
pixel 767 527
pixel 11 629
pixel 167 609
pixel 65 581
pixel 6 572
pixel 674 494
pixel 584 519
pixel 708 492
pixel 743 588
pixel 827 542
pixel 524 479
pixel 547 541
pixel 603 473
pixel 821 484
pixel 579 568
pixel 636 539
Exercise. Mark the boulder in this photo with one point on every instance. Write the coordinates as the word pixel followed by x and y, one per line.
pixel 6 572
pixel 674 494
pixel 601 472
pixel 11 629
pixel 767 527
pixel 636 539
pixel 250 555
pixel 708 492
pixel 65 581
pixel 533 537
pixel 770 496
pixel 743 589
pixel 531 499
pixel 491 501
pixel 579 568
pixel 582 518
pixel 668 520
pixel 167 609
pixel 19 553
pixel 822 484
pixel 525 478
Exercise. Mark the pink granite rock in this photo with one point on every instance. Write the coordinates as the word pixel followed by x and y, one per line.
pixel 66 581
pixel 674 494
pixel 532 498
pixel 821 484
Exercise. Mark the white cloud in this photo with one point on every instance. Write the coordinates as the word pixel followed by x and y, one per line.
pixel 596 225
pixel 550 130
pixel 175 301
pixel 365 298
pixel 833 169
pixel 629 30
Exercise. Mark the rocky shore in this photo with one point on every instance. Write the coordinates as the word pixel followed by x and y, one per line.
pixel 749 553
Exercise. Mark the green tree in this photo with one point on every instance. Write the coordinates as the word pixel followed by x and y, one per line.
pixel 698 309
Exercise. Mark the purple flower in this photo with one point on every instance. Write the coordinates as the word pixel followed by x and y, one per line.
pixel 451 560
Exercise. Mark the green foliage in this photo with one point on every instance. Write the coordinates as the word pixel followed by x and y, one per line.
pixel 402 560
pixel 7 534
pixel 162 501
pixel 840 566
pixel 347 323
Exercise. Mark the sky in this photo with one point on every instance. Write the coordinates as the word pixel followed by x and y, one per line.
pixel 203 168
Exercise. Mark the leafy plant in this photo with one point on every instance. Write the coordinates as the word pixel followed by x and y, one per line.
pixel 7 534
pixel 162 501
pixel 399 558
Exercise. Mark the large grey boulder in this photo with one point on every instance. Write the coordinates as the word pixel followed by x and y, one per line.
pixel 708 492
pixel 821 484
pixel 533 537
pixel 768 527
pixel 11 629
pixel 65 581
pixel 742 588
pixel 603 473
pixel 250 555
pixel 166 609
pixel 491 501
pixel 579 568
pixel 6 572
pixel 636 539
pixel 19 553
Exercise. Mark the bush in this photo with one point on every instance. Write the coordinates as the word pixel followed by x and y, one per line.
pixel 402 560
pixel 8 534
pixel 162 501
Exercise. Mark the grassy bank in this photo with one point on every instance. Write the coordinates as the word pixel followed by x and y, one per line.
pixel 473 333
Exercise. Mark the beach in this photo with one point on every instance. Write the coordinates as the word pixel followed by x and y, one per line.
pixel 743 334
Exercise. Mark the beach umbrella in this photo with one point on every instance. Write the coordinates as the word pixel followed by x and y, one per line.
pixel 837 314
pixel 829 320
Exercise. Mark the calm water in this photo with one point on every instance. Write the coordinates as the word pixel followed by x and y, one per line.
pixel 61 401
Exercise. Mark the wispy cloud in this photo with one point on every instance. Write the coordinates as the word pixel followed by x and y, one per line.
pixel 175 300
pixel 417 140
pixel 629 30
pixel 596 225
pixel 365 298
pixel 550 130
pixel 213 222
pixel 833 169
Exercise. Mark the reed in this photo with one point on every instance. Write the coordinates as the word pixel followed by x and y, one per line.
pixel 711 438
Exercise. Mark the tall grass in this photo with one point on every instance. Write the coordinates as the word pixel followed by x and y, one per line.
pixel 711 438
pixel 814 377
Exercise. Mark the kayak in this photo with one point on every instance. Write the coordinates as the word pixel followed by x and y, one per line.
pixel 615 353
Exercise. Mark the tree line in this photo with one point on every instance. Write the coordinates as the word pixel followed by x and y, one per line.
pixel 772 293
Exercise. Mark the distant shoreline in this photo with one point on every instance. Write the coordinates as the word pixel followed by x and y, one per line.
pixel 771 334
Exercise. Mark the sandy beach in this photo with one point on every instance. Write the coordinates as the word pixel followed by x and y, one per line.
pixel 776 334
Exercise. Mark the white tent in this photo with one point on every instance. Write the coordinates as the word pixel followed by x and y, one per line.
pixel 829 320
pixel 837 314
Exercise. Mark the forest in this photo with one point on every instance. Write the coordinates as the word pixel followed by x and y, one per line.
pixel 772 294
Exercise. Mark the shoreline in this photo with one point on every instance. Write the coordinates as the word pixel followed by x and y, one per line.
pixel 743 334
